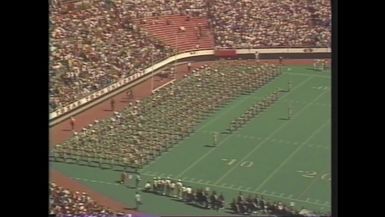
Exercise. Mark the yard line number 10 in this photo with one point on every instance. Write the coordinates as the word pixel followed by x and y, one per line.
pixel 246 164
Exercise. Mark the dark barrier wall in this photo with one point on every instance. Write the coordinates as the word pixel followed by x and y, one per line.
pixel 261 56
pixel 225 53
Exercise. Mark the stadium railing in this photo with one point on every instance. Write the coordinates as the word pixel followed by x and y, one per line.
pixel 65 112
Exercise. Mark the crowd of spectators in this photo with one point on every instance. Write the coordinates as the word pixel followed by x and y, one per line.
pixel 137 9
pixel 209 199
pixel 66 203
pixel 93 47
pixel 100 42
pixel 201 197
pixel 253 204
pixel 271 23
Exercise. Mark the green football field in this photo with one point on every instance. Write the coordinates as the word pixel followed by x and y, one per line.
pixel 283 160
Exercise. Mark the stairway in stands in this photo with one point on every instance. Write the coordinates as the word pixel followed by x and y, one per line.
pixel 180 40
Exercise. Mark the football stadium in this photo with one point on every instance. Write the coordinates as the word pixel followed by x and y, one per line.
pixel 190 108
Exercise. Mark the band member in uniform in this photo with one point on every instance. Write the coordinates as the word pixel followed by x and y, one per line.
pixel 123 178
pixel 137 180
pixel 216 135
pixel 138 200
pixel 147 187
pixel 289 112
pixel 179 186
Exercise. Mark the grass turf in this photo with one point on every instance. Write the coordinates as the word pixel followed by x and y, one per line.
pixel 284 160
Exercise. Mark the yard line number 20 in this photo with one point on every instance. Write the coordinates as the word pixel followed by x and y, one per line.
pixel 246 164
pixel 312 174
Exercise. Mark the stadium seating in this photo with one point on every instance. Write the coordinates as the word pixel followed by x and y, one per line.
pixel 95 44
pixel 180 40
pixel 63 202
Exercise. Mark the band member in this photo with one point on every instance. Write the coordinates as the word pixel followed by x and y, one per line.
pixel 215 141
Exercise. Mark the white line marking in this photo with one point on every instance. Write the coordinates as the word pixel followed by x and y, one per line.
pixel 264 141
pixel 292 154
pixel 222 142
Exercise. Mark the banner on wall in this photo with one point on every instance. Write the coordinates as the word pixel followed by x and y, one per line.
pixel 225 53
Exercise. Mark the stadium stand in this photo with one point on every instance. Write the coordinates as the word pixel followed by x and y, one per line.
pixel 98 42
pixel 271 23
pixel 93 47
pixel 66 203
pixel 94 43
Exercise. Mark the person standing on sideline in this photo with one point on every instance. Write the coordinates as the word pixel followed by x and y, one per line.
pixel 138 201
pixel 112 102
pixel 72 122
pixel 257 56
pixel 130 94
pixel 189 67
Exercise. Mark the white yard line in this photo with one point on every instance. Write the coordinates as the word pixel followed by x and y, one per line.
pixel 222 142
pixel 283 163
pixel 268 138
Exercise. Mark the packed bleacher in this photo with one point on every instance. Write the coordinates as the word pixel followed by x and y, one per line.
pixel 96 44
pixel 65 203
pixel 93 47
pixel 139 9
pixel 271 23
